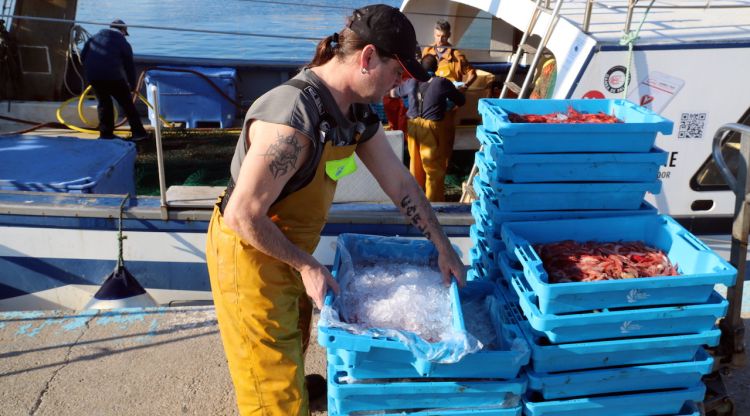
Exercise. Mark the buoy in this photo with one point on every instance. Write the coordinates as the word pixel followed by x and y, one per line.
pixel 121 289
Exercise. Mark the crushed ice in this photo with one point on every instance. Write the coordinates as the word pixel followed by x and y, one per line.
pixel 398 296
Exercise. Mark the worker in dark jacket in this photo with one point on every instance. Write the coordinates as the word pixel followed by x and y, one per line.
pixel 429 127
pixel 109 68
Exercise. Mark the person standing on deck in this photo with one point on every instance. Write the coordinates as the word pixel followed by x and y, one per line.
pixel 453 65
pixel 297 141
pixel 109 68
pixel 427 141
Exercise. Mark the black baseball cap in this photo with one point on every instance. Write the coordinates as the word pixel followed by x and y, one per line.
pixel 388 29
pixel 120 25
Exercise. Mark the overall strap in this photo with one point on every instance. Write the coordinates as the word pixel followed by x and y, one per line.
pixel 327 122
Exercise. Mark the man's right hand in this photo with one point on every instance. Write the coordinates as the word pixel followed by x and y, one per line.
pixel 317 279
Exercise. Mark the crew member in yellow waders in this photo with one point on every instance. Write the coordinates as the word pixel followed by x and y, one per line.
pixel 297 141
pixel 427 139
pixel 453 65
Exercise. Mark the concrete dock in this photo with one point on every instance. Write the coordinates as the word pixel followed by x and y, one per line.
pixel 161 361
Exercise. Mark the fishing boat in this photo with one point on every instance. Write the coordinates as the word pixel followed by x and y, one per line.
pixel 56 248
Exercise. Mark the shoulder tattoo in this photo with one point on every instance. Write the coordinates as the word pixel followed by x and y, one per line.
pixel 283 154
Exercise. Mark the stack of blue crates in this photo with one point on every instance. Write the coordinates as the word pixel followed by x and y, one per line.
pixel 369 374
pixel 617 347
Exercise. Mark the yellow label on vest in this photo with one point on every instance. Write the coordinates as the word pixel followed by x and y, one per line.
pixel 337 169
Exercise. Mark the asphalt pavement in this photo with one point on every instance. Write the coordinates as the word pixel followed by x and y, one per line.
pixel 160 361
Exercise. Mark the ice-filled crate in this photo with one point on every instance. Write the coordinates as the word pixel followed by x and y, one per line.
pixel 635 134
pixel 504 351
pixel 517 197
pixel 699 268
pixel 383 352
pixel 496 165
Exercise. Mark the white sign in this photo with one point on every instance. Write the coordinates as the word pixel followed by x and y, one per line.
pixel 656 91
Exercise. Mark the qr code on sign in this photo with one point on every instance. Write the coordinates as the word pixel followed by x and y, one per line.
pixel 692 125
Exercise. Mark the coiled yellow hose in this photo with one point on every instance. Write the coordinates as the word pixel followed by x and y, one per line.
pixel 81 99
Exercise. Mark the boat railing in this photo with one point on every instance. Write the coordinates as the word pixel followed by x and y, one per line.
pixel 732 346
pixel 634 4
pixel 160 156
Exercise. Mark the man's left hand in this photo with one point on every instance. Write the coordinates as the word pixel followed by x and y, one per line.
pixel 451 266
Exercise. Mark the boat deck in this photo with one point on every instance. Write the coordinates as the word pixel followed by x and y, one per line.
pixel 143 362
pixel 668 22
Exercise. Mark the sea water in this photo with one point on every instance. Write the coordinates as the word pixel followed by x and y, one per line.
pixel 294 18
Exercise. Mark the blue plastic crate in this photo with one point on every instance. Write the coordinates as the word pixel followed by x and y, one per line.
pixel 495 165
pixel 491 237
pixel 546 357
pixel 669 402
pixel 434 397
pixel 367 249
pixel 606 323
pixel 484 223
pixel 488 218
pixel 490 210
pixel 482 267
pixel 487 243
pixel 661 376
pixel 570 196
pixel 381 361
pixel 699 266
pixel 636 134
pixel 67 164
pixel 549 358
pixel 185 97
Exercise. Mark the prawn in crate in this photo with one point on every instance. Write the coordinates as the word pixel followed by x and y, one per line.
pixel 636 133
pixel 699 268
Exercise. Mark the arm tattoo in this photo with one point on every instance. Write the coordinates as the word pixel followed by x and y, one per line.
pixel 283 154
pixel 411 213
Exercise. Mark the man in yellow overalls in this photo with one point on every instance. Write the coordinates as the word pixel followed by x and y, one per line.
pixel 296 142
pixel 453 65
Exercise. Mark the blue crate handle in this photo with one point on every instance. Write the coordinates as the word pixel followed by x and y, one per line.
pixel 530 259
pixel 694 241
pixel 517 280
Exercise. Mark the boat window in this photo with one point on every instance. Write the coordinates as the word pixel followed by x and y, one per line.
pixel 708 177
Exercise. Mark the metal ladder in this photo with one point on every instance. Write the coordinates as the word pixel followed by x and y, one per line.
pixel 523 47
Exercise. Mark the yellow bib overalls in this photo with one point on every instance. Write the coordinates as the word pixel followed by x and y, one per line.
pixel 263 311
